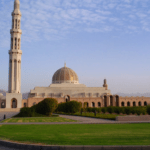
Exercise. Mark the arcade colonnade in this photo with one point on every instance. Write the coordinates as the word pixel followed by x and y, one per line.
pixel 104 101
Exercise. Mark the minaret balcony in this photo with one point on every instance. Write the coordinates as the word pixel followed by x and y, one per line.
pixel 15 51
pixel 15 31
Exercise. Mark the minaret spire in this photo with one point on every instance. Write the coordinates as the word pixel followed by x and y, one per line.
pixel 16 4
pixel 105 84
pixel 65 64
pixel 15 51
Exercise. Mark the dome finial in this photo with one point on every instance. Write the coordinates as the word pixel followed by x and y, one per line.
pixel 65 64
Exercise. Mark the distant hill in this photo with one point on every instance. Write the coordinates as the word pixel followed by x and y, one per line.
pixel 134 94
pixel 3 92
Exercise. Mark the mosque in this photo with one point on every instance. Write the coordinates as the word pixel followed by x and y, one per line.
pixel 65 82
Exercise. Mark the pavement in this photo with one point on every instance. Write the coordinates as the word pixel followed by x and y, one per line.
pixel 8 114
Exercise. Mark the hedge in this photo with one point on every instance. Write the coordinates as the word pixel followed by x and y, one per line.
pixel 124 110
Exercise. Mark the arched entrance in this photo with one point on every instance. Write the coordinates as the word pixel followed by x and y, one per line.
pixel 67 98
pixel 25 104
pixel 86 104
pixel 140 104
pixel 128 104
pixel 111 100
pixel 134 104
pixel 117 100
pixel 93 104
pixel 99 104
pixel 122 104
pixel 145 103
pixel 13 103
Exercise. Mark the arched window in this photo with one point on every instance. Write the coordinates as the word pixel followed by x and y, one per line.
pixel 140 104
pixel 12 23
pixel 134 104
pixel 145 103
pixel 2 105
pixel 15 43
pixel 128 103
pixel 99 104
pixel 12 43
pixel 93 104
pixel 18 43
pixel 16 24
pixel 122 103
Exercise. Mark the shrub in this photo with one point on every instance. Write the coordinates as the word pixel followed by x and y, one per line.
pixel 25 112
pixel 73 106
pixel 104 110
pixel 117 110
pixel 99 110
pixel 70 107
pixel 144 110
pixel 89 109
pixel 127 110
pixel 61 107
pixel 123 110
pixel 110 109
pixel 46 107
pixel 148 109
pixel 133 110
pixel 138 111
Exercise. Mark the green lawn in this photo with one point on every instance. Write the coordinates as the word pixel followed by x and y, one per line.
pixel 40 119
pixel 84 134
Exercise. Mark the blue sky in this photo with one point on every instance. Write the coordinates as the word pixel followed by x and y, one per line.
pixel 97 38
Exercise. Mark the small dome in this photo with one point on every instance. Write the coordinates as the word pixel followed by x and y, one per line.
pixel 65 75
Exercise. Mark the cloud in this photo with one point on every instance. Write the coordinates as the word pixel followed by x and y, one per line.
pixel 54 19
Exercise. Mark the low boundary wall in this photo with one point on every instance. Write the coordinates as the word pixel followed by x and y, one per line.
pixel 19 146
pixel 133 118
pixel 9 109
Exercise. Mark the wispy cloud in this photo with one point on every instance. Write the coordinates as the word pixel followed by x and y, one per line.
pixel 54 19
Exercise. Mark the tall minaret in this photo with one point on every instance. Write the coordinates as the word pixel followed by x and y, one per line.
pixel 15 52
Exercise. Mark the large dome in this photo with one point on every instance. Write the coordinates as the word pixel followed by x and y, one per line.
pixel 65 75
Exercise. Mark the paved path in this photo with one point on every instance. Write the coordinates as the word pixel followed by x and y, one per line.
pixel 80 120
pixel 8 114
pixel 87 120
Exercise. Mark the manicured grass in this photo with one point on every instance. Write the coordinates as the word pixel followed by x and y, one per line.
pixel 98 115
pixel 40 119
pixel 83 134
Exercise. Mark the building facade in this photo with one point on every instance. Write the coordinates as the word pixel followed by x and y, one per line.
pixel 66 87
